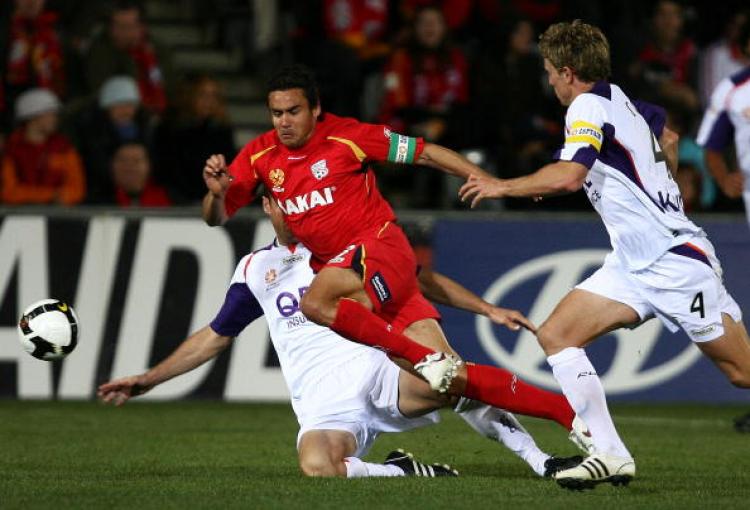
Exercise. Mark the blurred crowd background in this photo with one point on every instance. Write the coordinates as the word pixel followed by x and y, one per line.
pixel 120 102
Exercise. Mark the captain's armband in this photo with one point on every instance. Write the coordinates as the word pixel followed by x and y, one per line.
pixel 402 149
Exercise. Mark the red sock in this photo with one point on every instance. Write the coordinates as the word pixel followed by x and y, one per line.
pixel 500 388
pixel 357 323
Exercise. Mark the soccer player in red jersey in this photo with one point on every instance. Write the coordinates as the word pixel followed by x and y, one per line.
pixel 366 289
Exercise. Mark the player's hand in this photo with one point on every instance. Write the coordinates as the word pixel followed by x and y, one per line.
pixel 478 188
pixel 121 390
pixel 511 319
pixel 215 175
pixel 732 184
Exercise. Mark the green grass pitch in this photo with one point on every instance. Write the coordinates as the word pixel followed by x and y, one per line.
pixel 218 455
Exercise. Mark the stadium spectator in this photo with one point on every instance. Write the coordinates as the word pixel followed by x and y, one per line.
pixel 426 81
pixel 116 118
pixel 666 68
pixel 31 54
pixel 513 112
pixel 131 174
pixel 723 57
pixel 40 165
pixel 127 48
pixel 197 127
pixel 426 94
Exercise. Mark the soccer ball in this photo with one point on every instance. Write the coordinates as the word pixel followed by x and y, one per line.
pixel 48 329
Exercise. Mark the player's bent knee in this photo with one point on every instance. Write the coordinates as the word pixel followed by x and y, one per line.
pixel 318 467
pixel 549 339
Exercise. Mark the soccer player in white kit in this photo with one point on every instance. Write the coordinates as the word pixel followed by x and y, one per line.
pixel 727 120
pixel 661 265
pixel 344 394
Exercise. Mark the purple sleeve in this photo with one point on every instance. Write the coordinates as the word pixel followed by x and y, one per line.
pixel 721 133
pixel 585 156
pixel 240 308
pixel 655 116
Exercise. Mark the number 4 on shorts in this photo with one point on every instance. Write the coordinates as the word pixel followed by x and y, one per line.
pixel 697 305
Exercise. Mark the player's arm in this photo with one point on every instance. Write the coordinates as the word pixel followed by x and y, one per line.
pixel 669 142
pixel 556 178
pixel 449 161
pixel 731 183
pixel 441 289
pixel 201 346
pixel 240 308
pixel 229 187
pixel 715 135
pixel 217 180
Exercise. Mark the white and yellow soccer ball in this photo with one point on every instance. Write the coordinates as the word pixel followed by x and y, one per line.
pixel 48 329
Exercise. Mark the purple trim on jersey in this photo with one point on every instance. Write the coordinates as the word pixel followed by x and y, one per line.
pixel 740 76
pixel 618 157
pixel 602 89
pixel 585 156
pixel 240 308
pixel 721 133
pixel 655 116
pixel 688 251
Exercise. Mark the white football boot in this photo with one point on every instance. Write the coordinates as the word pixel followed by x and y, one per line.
pixel 581 437
pixel 439 369
pixel 595 469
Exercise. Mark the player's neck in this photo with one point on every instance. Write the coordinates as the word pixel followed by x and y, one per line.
pixel 581 87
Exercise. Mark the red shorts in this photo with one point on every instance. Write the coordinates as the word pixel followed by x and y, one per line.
pixel 388 267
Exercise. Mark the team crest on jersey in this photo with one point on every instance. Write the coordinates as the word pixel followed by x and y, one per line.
pixel 319 169
pixel 277 179
pixel 270 276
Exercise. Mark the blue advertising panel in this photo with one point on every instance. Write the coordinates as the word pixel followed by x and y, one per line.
pixel 530 265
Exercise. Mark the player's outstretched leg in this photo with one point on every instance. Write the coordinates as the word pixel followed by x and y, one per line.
pixel 446 373
pixel 412 467
pixel 502 426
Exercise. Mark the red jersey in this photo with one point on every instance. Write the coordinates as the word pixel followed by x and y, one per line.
pixel 326 189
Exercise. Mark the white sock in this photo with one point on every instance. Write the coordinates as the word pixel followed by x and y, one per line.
pixel 357 468
pixel 502 426
pixel 583 389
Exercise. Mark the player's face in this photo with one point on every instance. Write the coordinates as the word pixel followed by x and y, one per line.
pixel 561 81
pixel 272 209
pixel 293 118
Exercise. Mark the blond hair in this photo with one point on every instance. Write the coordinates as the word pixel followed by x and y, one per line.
pixel 577 45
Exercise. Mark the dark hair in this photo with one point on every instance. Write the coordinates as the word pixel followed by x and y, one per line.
pixel 296 76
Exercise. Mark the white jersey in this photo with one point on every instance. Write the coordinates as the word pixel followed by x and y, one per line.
pixel 728 119
pixel 270 282
pixel 628 181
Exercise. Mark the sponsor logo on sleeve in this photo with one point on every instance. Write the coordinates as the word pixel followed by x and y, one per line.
pixel 381 289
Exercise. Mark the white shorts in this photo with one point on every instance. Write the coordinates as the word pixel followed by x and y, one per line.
pixel 683 288
pixel 360 397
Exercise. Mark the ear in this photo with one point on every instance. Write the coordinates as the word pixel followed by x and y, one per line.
pixel 567 74
pixel 316 111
